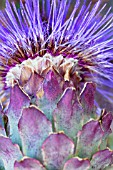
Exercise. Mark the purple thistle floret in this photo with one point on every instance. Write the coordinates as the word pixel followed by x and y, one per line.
pixel 37 28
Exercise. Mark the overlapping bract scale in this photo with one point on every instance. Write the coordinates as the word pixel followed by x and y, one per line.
pixel 67 139
pixel 34 128
pixel 9 153
pixel 77 164
pixel 56 149
pixel 18 100
pixel 28 164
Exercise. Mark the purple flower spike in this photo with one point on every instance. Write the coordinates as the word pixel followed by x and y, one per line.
pixel 55 150
pixel 77 164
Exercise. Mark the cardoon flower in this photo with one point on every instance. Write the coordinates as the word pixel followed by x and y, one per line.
pixel 53 60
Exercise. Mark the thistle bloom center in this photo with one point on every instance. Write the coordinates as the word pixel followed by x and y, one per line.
pixel 66 67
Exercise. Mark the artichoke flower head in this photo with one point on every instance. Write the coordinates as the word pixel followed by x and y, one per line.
pixel 55 65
